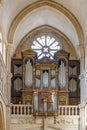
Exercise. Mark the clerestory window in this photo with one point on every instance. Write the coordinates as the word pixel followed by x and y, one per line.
pixel 45 46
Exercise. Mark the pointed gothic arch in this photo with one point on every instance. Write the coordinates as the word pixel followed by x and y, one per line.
pixel 39 4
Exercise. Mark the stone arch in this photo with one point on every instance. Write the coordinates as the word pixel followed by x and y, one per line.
pixel 39 4
pixel 51 31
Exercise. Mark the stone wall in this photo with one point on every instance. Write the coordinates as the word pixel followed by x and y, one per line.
pixel 44 123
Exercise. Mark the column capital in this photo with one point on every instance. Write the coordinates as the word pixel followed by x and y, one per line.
pixel 10 48
pixel 82 76
pixel 10 45
pixel 81 105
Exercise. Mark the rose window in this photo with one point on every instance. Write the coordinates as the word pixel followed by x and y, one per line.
pixel 45 46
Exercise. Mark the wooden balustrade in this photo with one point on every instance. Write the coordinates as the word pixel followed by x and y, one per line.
pixel 22 109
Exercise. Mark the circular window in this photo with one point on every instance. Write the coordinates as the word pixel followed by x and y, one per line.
pixel 45 46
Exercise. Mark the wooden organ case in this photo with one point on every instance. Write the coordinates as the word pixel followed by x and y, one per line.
pixel 44 82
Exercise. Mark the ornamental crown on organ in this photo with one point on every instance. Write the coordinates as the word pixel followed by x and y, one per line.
pixel 43 83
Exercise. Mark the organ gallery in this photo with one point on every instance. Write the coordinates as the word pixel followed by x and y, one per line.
pixel 45 78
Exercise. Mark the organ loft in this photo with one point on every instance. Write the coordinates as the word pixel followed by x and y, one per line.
pixel 45 82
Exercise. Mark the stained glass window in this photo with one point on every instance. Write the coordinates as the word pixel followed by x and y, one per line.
pixel 45 46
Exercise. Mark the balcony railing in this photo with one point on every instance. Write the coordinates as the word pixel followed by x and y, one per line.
pixel 68 110
pixel 21 109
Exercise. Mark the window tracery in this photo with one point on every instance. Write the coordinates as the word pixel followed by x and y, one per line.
pixel 45 46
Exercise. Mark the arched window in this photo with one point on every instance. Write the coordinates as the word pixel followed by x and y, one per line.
pixel 0 42
pixel 45 46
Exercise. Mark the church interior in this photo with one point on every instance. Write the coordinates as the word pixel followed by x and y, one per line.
pixel 43 65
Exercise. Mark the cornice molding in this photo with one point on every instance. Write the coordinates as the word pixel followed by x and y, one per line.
pixel 39 4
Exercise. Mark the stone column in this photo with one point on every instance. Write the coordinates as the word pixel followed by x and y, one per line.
pixel 85 83
pixel 82 58
pixel 82 72
pixel 9 50
pixel 82 87
pixel 85 52
pixel 82 117
pixel 86 114
pixel 86 68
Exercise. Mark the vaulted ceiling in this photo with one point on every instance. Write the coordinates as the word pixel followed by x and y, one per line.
pixel 19 17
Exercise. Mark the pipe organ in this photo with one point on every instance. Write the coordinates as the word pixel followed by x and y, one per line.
pixel 44 83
